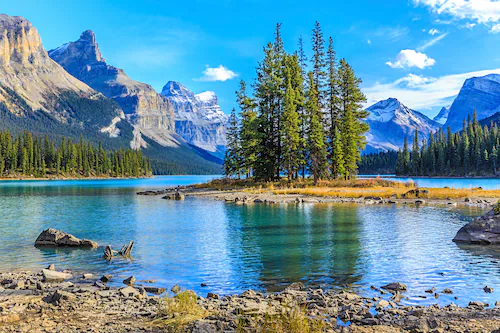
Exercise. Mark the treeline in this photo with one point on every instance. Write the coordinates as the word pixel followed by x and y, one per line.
pixel 473 151
pixel 30 155
pixel 382 163
pixel 298 121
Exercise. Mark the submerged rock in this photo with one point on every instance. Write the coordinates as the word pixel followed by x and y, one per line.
pixel 395 286
pixel 483 230
pixel 57 238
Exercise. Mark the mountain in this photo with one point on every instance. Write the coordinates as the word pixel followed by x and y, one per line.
pixel 478 93
pixel 390 122
pixel 33 86
pixel 39 95
pixel 442 116
pixel 198 118
pixel 149 112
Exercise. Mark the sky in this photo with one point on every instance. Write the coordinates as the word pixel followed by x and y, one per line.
pixel 419 51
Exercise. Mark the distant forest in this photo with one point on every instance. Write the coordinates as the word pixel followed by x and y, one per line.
pixel 29 155
pixel 473 151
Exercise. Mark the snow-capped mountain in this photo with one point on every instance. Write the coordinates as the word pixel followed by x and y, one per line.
pixel 478 93
pixel 198 118
pixel 442 116
pixel 390 122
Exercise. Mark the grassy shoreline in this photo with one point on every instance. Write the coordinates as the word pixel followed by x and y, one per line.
pixel 354 189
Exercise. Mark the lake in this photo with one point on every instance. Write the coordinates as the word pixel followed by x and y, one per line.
pixel 231 248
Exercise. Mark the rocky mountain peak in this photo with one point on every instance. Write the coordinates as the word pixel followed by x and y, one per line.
pixel 87 38
pixel 173 88
pixel 480 94
pixel 19 41
pixel 85 50
pixel 391 121
pixel 198 118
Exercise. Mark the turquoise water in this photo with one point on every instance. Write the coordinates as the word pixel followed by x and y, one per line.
pixel 235 247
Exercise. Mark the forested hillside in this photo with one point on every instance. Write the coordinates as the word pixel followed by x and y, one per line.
pixel 29 155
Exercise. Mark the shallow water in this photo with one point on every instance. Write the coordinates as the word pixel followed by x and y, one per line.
pixel 235 247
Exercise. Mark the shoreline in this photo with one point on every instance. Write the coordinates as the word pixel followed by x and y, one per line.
pixel 67 178
pixel 30 303
pixel 244 197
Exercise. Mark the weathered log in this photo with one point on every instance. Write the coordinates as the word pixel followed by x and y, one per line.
pixel 127 249
pixel 108 253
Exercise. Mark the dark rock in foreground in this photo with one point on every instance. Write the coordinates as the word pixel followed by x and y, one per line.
pixel 56 238
pixel 483 230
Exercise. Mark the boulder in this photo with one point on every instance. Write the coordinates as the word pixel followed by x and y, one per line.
pixel 395 286
pixel 56 238
pixel 175 196
pixel 49 275
pixel 175 289
pixel 155 290
pixel 483 230
pixel 130 281
pixel 129 291
pixel 417 193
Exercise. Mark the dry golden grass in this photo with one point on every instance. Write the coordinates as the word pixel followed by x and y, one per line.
pixel 294 320
pixel 176 312
pixel 251 184
pixel 358 188
pixel 390 192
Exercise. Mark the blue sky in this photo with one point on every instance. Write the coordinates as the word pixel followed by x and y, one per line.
pixel 419 51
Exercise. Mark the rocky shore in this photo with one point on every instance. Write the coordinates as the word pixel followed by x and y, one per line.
pixel 244 197
pixel 29 302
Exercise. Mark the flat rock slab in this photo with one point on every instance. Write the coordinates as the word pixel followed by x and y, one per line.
pixel 483 230
pixel 57 238
pixel 49 275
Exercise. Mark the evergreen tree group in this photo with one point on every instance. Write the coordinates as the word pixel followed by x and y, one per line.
pixel 30 155
pixel 299 120
pixel 473 151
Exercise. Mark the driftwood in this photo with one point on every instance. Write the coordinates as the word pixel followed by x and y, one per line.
pixel 126 249
pixel 124 252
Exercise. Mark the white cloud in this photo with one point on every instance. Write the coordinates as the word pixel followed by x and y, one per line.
pixel 469 25
pixel 422 93
pixel 220 73
pixel 433 32
pixel 495 29
pixel 432 42
pixel 480 11
pixel 411 58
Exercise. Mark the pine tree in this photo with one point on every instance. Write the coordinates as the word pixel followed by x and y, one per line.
pixel 232 160
pixel 415 156
pixel 249 130
pixel 291 121
pixel 319 64
pixel 352 114
pixel 318 164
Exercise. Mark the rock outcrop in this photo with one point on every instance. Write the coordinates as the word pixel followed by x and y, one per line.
pixel 198 118
pixel 56 238
pixel 483 230
pixel 150 112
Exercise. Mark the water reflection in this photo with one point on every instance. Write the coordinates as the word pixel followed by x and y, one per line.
pixel 233 247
